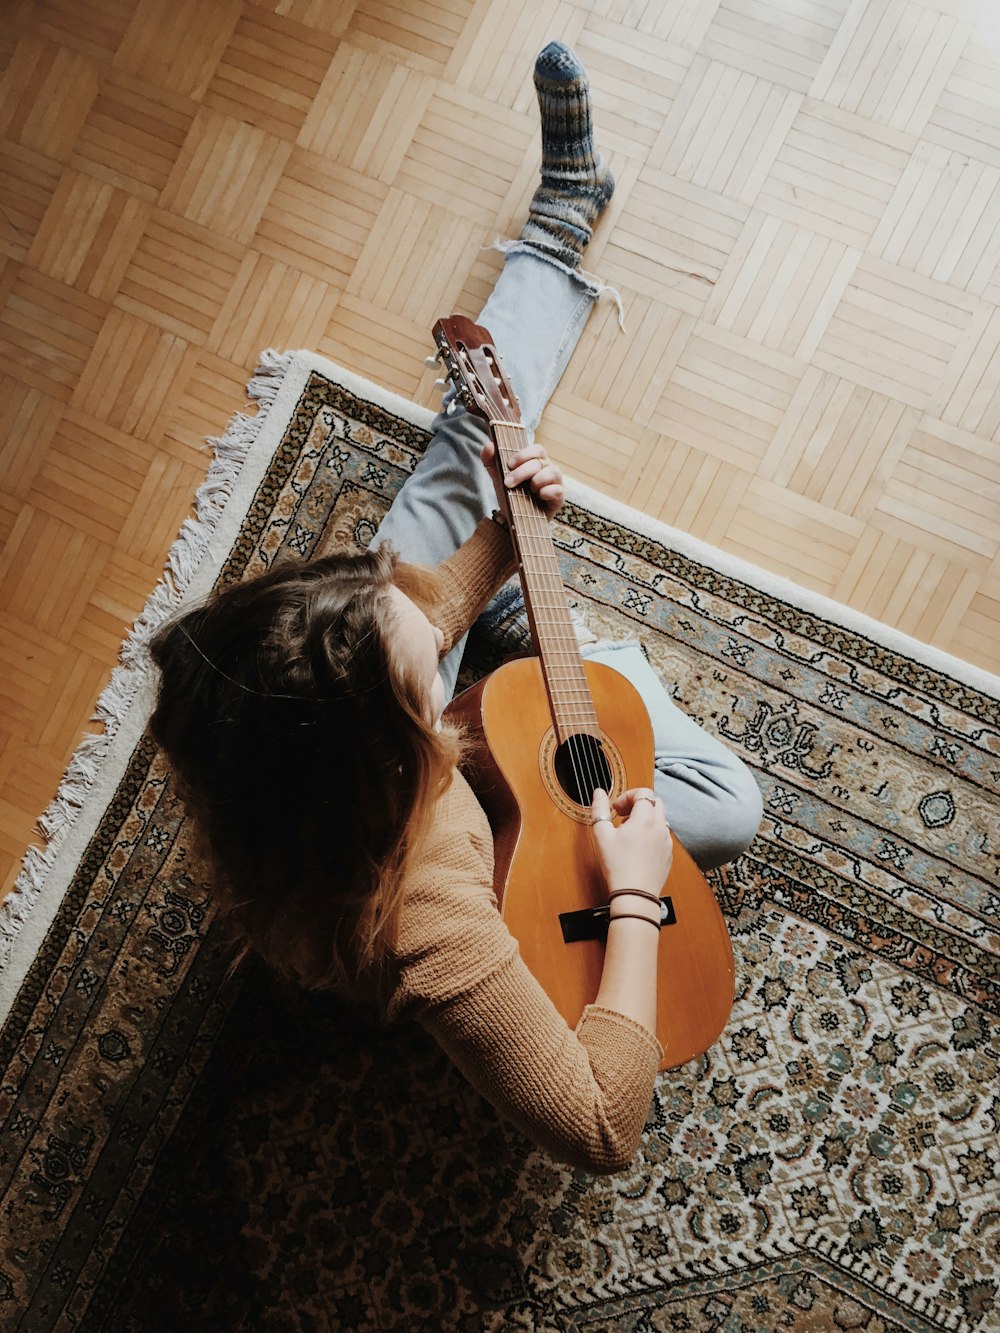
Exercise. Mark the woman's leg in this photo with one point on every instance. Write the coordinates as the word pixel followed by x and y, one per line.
pixel 711 798
pixel 535 316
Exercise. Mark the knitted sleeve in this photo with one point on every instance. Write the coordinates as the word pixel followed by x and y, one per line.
pixel 471 576
pixel 581 1094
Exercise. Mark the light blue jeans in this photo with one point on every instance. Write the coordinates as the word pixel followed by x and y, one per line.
pixel 535 316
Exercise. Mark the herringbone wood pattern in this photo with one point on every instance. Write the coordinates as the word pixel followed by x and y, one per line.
pixel 805 235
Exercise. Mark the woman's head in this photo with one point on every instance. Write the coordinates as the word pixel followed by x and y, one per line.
pixel 298 710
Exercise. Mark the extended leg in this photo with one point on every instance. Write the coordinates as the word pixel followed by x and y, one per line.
pixel 711 798
pixel 535 316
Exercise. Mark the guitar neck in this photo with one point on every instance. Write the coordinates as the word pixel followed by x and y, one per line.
pixel 555 640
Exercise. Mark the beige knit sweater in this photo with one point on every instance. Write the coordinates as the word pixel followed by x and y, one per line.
pixel 583 1095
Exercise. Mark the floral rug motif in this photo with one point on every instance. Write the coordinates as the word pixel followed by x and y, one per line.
pixel 183 1150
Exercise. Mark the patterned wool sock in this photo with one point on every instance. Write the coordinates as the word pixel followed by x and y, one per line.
pixel 576 184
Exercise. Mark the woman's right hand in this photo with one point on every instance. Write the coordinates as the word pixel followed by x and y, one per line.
pixel 637 854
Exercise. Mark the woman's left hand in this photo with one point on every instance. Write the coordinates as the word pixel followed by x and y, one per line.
pixel 532 465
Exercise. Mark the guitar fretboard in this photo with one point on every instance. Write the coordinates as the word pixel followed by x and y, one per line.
pixel 545 598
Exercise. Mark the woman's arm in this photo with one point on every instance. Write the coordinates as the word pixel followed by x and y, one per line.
pixel 486 561
pixel 470 578
pixel 584 1094
pixel 636 855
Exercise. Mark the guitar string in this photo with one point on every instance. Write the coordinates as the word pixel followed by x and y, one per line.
pixel 582 758
pixel 537 544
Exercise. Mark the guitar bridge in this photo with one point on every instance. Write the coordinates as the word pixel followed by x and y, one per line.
pixel 591 923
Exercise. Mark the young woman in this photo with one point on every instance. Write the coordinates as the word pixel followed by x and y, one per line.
pixel 366 865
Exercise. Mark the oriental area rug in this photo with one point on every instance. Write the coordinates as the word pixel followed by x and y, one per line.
pixel 186 1147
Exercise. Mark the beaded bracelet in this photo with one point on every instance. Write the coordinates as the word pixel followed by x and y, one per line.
pixel 634 916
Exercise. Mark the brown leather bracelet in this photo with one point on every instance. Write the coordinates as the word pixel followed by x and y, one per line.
pixel 635 893
pixel 634 916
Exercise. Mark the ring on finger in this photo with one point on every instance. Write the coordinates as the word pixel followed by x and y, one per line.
pixel 650 799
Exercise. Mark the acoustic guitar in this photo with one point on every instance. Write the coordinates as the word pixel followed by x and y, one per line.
pixel 550 728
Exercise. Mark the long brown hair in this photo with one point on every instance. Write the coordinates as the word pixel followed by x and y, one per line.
pixel 305 755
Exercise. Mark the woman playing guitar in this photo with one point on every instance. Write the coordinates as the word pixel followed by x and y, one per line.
pixel 302 712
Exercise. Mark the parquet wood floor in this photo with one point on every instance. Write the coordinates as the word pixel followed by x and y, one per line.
pixel 806 235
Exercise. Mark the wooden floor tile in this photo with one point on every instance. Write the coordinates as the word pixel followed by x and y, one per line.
pixel 28 420
pixel 53 606
pixel 783 42
pixel 28 660
pixel 95 27
pixel 781 286
pixel 835 173
pixel 224 175
pixel 727 396
pixel 179 276
pixel 895 332
pixel 133 134
pixel 947 481
pixel 724 130
pixel 627 370
pixel 130 375
pixel 463 156
pixel 48 330
pixel 409 261
pixel 943 220
pixel 270 71
pixel 319 217
pixel 331 17
pixel 270 304
pixel 838 443
pixel 967 116
pixel 114 602
pixel 91 476
pixel 361 332
pixel 28 180
pixel 890 62
pixel 365 114
pixel 48 92
pixel 640 80
pixel 488 57
pixel 209 392
pixel 809 542
pixel 177 44
pixel 418 33
pixel 595 445
pixel 88 235
pixel 674 242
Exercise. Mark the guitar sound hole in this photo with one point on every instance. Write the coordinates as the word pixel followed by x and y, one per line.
pixel 581 765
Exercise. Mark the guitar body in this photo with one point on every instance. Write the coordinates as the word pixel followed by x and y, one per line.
pixel 546 862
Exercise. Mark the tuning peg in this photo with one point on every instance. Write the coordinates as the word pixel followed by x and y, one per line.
pixel 440 384
pixel 431 361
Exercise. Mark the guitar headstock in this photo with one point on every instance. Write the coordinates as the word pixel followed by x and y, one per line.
pixel 473 366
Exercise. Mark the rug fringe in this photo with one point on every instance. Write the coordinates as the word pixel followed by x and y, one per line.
pixel 230 453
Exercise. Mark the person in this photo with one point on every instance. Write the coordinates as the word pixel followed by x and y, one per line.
pixel 302 713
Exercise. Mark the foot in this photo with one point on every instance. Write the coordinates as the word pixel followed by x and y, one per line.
pixel 576 183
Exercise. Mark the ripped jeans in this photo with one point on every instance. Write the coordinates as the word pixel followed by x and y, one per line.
pixel 535 316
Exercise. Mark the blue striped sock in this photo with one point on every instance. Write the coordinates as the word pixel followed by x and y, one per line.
pixel 576 183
